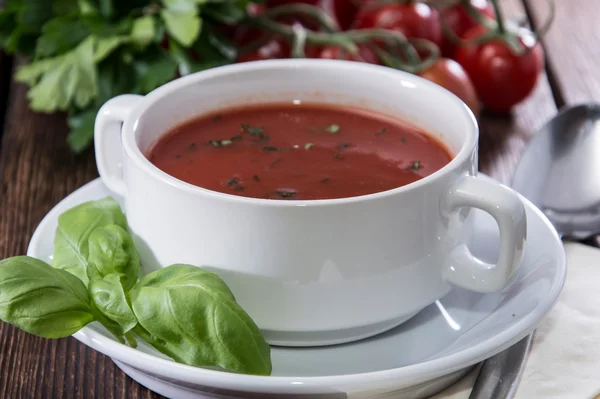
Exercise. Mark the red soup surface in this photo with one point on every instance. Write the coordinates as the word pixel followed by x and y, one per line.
pixel 298 152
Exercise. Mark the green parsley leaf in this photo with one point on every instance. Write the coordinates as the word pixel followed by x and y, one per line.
pixel 153 70
pixel 86 7
pixel 227 12
pixel 64 7
pixel 33 14
pixel 105 46
pixel 143 31
pixel 60 35
pixel 82 129
pixel 182 26
pixel 181 5
pixel 308 145
pixel 61 82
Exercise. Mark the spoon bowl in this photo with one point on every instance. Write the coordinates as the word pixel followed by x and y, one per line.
pixel 560 169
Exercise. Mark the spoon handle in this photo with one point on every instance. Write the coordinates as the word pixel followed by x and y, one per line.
pixel 500 374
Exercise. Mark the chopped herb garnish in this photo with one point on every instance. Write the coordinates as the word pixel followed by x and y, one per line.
pixel 415 165
pixel 325 180
pixel 217 117
pixel 239 188
pixel 255 177
pixel 233 181
pixel 252 130
pixel 333 128
pixel 272 149
pixel 382 131
pixel 191 147
pixel 403 139
pixel 308 145
pixel 286 193
pixel 343 146
pixel 264 137
pixel 337 155
pixel 275 162
pixel 224 142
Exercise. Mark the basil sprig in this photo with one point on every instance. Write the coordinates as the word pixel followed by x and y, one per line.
pixel 183 311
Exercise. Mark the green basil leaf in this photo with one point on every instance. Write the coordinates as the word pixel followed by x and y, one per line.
pixel 109 298
pixel 71 247
pixel 112 252
pixel 182 26
pixel 191 315
pixel 143 31
pixel 60 34
pixel 41 300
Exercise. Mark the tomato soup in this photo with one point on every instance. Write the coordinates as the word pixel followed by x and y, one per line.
pixel 298 152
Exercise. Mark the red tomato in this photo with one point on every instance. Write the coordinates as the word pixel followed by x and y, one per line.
pixel 450 75
pixel 460 22
pixel 336 53
pixel 275 3
pixel 344 11
pixel 414 20
pixel 274 48
pixel 501 77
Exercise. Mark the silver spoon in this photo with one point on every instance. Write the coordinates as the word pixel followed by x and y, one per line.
pixel 560 174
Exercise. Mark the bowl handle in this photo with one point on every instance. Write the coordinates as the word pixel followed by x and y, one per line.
pixel 461 267
pixel 107 140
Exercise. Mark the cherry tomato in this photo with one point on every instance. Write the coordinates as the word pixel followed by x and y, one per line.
pixel 336 53
pixel 459 21
pixel 276 3
pixel 501 77
pixel 344 11
pixel 414 20
pixel 450 75
pixel 274 48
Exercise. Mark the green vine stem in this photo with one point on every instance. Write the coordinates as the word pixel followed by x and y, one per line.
pixel 498 30
pixel 324 20
pixel 347 40
pixel 298 41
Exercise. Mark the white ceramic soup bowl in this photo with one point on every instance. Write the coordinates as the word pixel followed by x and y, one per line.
pixel 313 272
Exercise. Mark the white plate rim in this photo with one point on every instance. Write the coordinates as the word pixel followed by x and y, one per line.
pixel 353 382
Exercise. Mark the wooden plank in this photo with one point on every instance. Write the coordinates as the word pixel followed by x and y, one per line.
pixel 37 170
pixel 503 138
pixel 5 73
pixel 572 47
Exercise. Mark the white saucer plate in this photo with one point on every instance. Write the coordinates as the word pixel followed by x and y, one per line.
pixel 414 360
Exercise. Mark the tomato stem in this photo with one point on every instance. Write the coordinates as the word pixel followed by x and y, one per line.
pixel 499 17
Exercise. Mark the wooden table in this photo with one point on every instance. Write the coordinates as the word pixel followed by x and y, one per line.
pixel 37 170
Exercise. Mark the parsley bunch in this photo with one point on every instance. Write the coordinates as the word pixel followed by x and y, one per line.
pixel 84 52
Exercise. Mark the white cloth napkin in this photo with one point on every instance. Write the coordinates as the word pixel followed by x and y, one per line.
pixel 564 362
